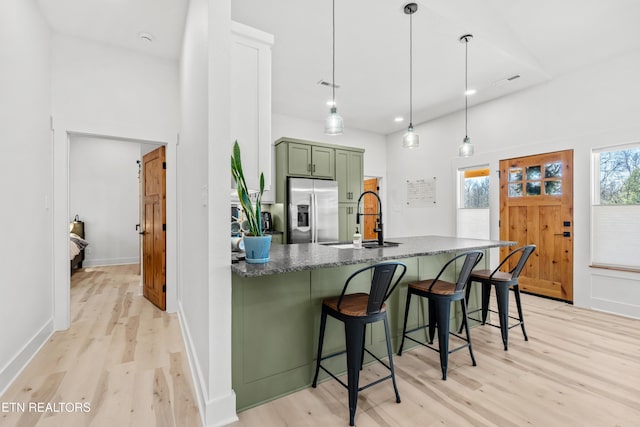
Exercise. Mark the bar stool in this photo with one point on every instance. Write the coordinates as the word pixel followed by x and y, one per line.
pixel 502 281
pixel 441 294
pixel 356 311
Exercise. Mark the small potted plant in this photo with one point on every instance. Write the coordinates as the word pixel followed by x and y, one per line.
pixel 256 244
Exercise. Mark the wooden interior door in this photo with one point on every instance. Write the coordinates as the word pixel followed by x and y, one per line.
pixel 154 227
pixel 536 207
pixel 370 207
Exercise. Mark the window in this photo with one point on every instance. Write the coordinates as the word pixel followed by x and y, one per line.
pixel 476 189
pixel 473 212
pixel 536 180
pixel 615 216
pixel 619 177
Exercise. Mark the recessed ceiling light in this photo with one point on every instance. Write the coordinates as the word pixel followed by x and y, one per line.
pixel 146 37
pixel 398 119
pixel 470 92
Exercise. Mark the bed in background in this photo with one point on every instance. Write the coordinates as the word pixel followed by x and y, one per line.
pixel 77 243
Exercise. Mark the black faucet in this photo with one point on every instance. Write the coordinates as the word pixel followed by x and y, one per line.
pixel 378 228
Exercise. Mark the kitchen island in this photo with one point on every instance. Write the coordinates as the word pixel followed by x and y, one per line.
pixel 276 308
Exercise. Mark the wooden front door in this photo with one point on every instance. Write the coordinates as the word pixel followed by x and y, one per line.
pixel 536 207
pixel 370 208
pixel 154 226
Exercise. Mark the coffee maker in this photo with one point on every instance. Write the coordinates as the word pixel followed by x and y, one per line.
pixel 267 223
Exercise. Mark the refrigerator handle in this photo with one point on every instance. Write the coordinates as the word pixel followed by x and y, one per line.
pixel 315 218
pixel 312 196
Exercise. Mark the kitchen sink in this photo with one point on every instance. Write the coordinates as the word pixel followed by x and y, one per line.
pixel 341 245
pixel 370 244
pixel 374 244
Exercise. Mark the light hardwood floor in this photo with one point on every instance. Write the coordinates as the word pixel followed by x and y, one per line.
pixel 579 368
pixel 126 358
pixel 122 356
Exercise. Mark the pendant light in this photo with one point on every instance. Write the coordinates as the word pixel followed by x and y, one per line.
pixel 334 125
pixel 410 139
pixel 466 149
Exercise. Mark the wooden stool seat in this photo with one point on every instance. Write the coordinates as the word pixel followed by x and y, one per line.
pixel 354 305
pixel 440 287
pixel 498 276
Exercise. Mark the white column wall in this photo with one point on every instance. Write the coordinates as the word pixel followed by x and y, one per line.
pixel 204 173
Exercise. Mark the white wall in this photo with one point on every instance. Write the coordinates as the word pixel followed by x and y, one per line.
pixel 26 261
pixel 108 91
pixel 204 173
pixel 587 109
pixel 104 192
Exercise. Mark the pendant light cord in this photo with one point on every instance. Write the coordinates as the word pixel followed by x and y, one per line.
pixel 466 88
pixel 411 70
pixel 333 49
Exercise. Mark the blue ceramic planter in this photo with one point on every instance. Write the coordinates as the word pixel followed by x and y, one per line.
pixel 256 249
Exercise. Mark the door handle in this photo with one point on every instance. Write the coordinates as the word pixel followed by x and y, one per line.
pixel 142 233
pixel 563 234
pixel 314 168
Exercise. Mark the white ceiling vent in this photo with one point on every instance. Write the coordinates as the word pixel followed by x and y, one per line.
pixel 326 83
pixel 507 80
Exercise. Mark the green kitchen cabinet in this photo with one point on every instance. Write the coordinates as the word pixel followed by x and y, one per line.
pixel 323 162
pixel 311 161
pixel 347 221
pixel 349 174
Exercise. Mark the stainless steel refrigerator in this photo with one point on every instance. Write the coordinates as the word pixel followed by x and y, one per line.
pixel 312 210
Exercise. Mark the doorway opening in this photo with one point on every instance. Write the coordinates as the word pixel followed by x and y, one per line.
pixel 106 192
pixel 370 208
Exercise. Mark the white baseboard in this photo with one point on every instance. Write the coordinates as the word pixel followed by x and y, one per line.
pixel 216 412
pixel 616 307
pixel 109 261
pixel 16 365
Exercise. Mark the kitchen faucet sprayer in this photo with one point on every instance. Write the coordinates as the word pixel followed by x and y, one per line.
pixel 378 229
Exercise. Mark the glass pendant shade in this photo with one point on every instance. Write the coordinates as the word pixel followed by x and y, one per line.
pixel 410 139
pixel 466 149
pixel 334 125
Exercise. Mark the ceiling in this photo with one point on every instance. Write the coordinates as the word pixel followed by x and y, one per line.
pixel 537 40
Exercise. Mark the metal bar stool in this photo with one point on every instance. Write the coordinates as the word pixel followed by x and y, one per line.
pixel 356 311
pixel 441 294
pixel 502 281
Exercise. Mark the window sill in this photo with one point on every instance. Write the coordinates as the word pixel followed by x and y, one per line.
pixel 615 268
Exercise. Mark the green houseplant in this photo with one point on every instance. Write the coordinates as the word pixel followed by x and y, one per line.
pixel 256 244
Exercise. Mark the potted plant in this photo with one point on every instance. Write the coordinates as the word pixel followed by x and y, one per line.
pixel 256 244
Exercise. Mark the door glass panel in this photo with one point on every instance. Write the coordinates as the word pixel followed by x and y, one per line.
pixel 533 172
pixel 515 174
pixel 533 188
pixel 553 170
pixel 553 188
pixel 515 190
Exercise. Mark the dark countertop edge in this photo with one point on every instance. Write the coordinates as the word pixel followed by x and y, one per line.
pixel 257 270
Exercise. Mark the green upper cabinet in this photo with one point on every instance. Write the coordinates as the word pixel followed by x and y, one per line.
pixel 299 159
pixel 323 162
pixel 310 160
pixel 349 174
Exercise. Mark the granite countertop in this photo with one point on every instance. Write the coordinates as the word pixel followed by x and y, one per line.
pixel 309 256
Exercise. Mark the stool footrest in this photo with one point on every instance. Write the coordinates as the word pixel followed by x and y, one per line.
pixel 431 347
